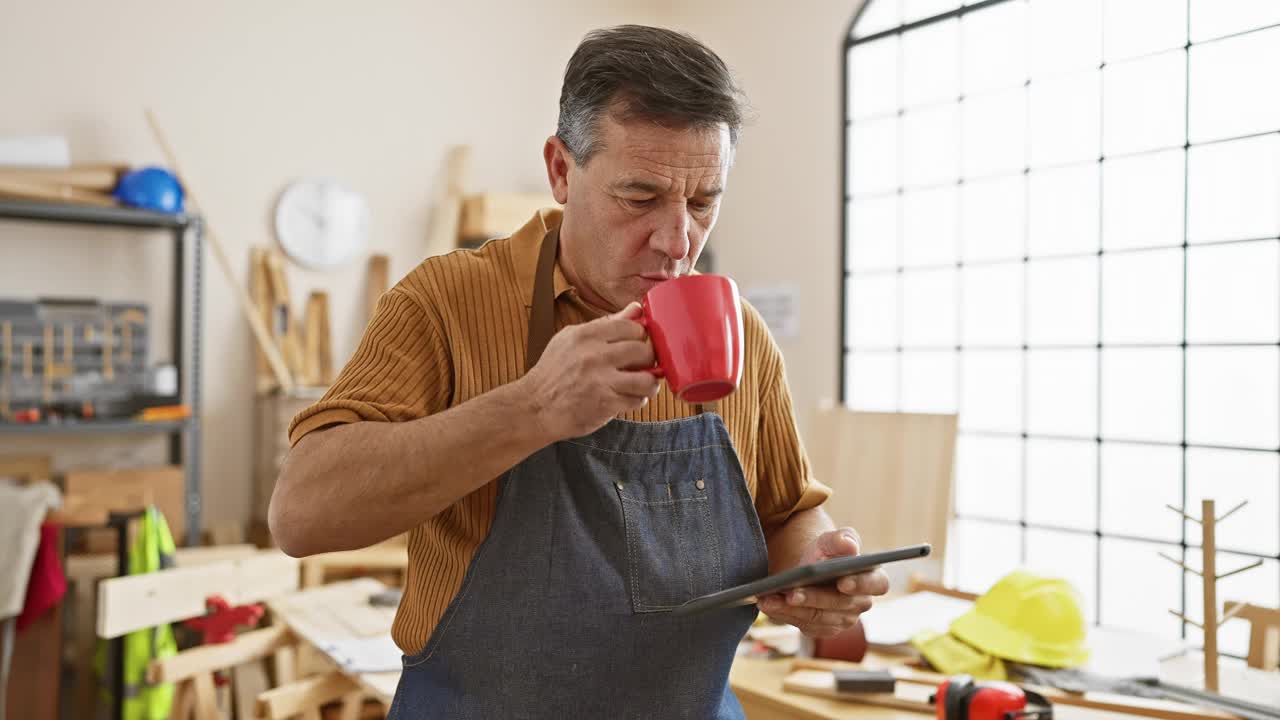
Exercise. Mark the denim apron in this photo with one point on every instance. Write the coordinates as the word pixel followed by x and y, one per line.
pixel 563 612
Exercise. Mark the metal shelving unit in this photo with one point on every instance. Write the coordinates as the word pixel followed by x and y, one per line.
pixel 187 235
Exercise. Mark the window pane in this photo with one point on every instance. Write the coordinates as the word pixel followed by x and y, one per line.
pixel 994 43
pixel 1227 98
pixel 1234 190
pixel 878 15
pixel 1257 586
pixel 929 308
pixel 1062 301
pixel 994 133
pixel 992 300
pixel 913 10
pixel 872 380
pixel 981 553
pixel 989 476
pixel 1142 200
pixel 1070 556
pixel 929 382
pixel 1062 392
pixel 1233 292
pixel 930 67
pixel 1215 18
pixel 1144 104
pixel 1227 477
pixel 993 217
pixel 1138 588
pixel 873 311
pixel 991 390
pixel 929 226
pixel 1065 35
pixel 1142 394
pixel 873 232
pixel 1064 119
pixel 1231 396
pixel 1137 482
pixel 1062 483
pixel 1064 211
pixel 1142 27
pixel 873 78
pixel 873 160
pixel 930 145
pixel 1142 297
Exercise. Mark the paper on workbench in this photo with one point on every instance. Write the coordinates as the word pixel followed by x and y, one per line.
pixel 892 623
pixel 363 655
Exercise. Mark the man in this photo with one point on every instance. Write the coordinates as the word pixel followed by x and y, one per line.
pixel 560 500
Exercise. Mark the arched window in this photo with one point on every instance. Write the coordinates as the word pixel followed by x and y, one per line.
pixel 1062 221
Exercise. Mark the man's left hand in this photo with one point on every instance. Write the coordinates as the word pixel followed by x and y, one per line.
pixel 826 611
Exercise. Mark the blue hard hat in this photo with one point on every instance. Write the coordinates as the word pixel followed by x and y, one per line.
pixel 152 188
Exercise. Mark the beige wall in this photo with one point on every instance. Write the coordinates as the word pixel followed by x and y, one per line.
pixel 255 94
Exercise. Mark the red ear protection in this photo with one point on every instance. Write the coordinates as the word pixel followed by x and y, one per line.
pixel 960 698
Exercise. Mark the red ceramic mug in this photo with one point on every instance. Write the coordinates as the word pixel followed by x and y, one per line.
pixel 695 324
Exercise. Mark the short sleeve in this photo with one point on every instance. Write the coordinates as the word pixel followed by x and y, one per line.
pixel 786 484
pixel 400 371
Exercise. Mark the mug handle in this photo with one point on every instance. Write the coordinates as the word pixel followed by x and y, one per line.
pixel 656 370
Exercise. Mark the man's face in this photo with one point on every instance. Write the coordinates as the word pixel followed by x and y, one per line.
pixel 639 212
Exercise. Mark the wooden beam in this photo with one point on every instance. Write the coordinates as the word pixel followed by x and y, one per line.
pixel 253 645
pixel 305 695
pixel 131 603
pixel 377 277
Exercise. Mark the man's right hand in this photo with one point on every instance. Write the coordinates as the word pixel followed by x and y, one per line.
pixel 591 373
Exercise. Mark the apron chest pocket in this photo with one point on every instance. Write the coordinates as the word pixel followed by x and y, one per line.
pixel 673 547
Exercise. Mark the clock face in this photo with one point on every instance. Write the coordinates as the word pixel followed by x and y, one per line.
pixel 321 224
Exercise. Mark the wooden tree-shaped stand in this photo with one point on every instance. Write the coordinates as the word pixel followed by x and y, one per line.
pixel 1208 572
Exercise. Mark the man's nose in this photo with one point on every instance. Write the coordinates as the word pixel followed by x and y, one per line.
pixel 671 238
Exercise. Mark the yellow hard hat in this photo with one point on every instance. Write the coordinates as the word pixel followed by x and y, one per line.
pixel 950 656
pixel 1030 619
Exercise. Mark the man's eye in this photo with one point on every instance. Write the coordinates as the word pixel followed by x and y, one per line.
pixel 700 206
pixel 638 204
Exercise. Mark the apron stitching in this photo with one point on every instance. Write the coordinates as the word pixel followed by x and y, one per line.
pixel 655 452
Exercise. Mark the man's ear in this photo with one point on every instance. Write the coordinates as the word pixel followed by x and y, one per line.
pixel 559 166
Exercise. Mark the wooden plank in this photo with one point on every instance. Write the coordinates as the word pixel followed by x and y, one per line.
pixel 496 214
pixel 446 211
pixel 823 684
pixel 376 281
pixel 248 681
pixel 317 361
pixel 206 697
pixel 26 468
pixel 260 291
pixel 248 647
pixel 378 557
pixel 140 601
pixel 309 694
pixel 122 489
pixel 100 177
pixel 34 190
pixel 1264 633
pixel 893 478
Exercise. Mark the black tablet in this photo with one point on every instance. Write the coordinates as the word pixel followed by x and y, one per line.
pixel 826 572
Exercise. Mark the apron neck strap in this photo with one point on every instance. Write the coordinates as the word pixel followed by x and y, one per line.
pixel 542 318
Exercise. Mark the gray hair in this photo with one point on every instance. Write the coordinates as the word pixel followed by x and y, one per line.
pixel 645 73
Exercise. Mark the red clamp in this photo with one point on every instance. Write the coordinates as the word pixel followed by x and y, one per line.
pixel 218 624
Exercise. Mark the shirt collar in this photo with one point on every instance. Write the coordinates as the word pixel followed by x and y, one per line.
pixel 525 244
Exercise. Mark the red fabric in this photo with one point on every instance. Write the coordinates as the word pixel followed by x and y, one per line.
pixel 48 583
